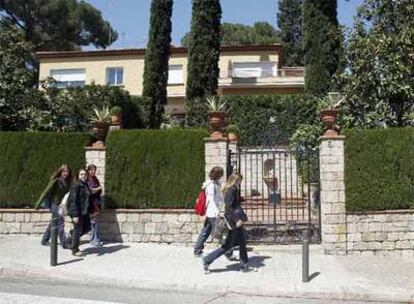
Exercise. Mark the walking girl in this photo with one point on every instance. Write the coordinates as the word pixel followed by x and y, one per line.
pixel 213 202
pixel 95 206
pixel 235 217
pixel 58 186
pixel 79 201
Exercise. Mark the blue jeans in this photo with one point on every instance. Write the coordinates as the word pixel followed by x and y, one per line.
pixel 204 234
pixel 234 238
pixel 95 241
pixel 54 208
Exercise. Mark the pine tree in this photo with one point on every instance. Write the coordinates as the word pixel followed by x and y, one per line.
pixel 321 42
pixel 203 52
pixel 156 61
pixel 289 21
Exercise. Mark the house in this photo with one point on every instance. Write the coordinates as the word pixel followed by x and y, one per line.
pixel 244 70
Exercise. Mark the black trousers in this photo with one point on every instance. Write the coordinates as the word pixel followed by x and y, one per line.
pixel 82 227
pixel 235 237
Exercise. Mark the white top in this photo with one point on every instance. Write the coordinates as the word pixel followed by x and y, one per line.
pixel 214 200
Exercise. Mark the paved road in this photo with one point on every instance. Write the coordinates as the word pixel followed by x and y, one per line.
pixel 41 291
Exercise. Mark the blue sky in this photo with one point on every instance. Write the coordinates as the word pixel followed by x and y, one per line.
pixel 131 17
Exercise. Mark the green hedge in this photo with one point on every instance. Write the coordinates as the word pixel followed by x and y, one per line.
pixel 379 169
pixel 154 168
pixel 27 160
pixel 270 119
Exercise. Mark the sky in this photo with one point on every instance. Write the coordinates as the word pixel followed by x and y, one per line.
pixel 130 18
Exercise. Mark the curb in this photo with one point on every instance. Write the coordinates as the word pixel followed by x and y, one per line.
pixel 26 272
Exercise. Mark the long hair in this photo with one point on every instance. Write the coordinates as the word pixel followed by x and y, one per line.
pixel 59 171
pixel 233 179
pixel 79 171
pixel 216 173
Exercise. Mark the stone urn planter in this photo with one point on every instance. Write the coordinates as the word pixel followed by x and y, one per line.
pixel 116 119
pixel 116 115
pixel 329 118
pixel 233 137
pixel 217 122
pixel 99 132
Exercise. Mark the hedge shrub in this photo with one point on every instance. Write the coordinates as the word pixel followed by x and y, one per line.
pixel 270 119
pixel 27 160
pixel 154 168
pixel 379 169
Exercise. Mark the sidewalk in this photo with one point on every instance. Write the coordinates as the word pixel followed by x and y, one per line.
pixel 387 279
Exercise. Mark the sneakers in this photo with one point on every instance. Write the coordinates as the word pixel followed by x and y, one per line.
pixel 247 268
pixel 66 245
pixel 206 268
pixel 97 244
pixel 44 243
pixel 198 254
pixel 78 253
pixel 231 258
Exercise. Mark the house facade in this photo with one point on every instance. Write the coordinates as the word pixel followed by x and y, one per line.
pixel 244 70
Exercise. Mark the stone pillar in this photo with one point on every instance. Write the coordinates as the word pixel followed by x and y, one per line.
pixel 333 213
pixel 96 156
pixel 216 154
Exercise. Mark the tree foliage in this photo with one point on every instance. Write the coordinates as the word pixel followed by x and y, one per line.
pixel 58 24
pixel 203 50
pixel 379 85
pixel 261 33
pixel 289 21
pixel 17 93
pixel 156 60
pixel 321 43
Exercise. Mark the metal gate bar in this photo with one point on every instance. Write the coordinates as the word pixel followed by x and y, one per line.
pixel 278 215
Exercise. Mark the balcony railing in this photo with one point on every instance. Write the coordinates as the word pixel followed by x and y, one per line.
pixel 263 73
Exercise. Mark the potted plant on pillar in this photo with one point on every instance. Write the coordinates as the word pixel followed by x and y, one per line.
pixel 217 114
pixel 328 111
pixel 116 115
pixel 233 132
pixel 100 120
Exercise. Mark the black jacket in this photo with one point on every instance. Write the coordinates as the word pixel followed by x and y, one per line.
pixel 79 198
pixel 234 211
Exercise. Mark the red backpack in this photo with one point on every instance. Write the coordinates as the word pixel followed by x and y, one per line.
pixel 200 204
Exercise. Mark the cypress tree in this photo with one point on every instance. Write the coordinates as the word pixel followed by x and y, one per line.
pixel 203 54
pixel 156 62
pixel 321 42
pixel 289 21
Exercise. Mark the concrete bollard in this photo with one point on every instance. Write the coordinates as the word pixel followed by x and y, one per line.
pixel 53 244
pixel 305 256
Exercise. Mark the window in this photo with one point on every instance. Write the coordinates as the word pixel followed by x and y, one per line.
pixel 68 78
pixel 175 74
pixel 254 69
pixel 115 76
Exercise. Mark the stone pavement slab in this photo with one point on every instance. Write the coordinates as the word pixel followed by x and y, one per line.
pixel 358 278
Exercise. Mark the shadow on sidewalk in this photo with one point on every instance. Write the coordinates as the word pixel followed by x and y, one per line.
pixel 69 262
pixel 254 262
pixel 104 249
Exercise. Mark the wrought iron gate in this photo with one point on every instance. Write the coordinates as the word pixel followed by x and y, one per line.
pixel 280 192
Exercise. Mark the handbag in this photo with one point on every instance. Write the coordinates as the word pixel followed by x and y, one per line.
pixel 220 228
pixel 235 218
pixel 63 207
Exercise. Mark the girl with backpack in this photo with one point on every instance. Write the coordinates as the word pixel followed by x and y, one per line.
pixel 58 186
pixel 235 217
pixel 214 200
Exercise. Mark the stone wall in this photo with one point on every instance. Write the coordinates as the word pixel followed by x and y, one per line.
pixel 180 227
pixel 381 233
